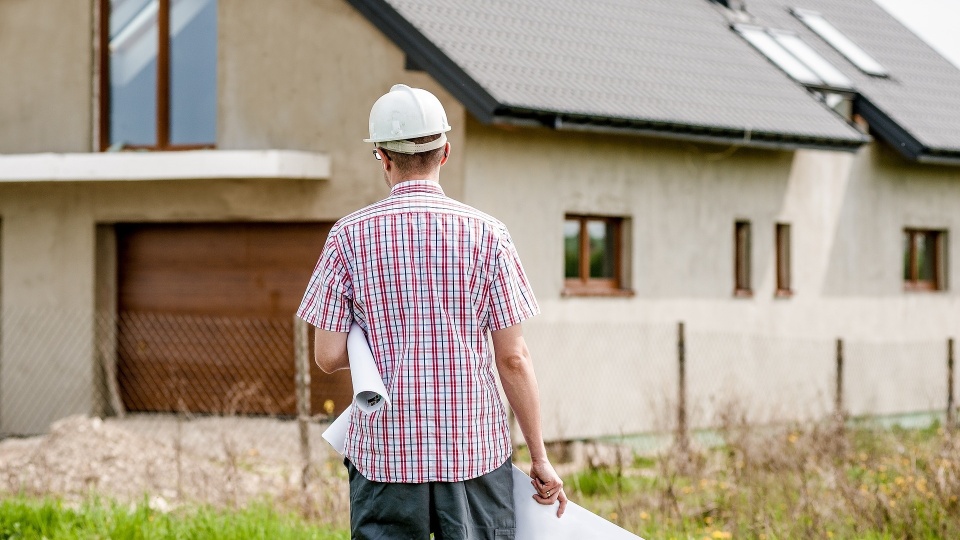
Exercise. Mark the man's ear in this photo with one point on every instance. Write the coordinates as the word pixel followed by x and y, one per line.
pixel 446 153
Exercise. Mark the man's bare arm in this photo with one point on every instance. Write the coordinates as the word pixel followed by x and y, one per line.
pixel 330 350
pixel 520 385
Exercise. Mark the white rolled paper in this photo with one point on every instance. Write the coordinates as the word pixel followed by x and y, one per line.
pixel 336 432
pixel 537 521
pixel 368 390
pixel 369 393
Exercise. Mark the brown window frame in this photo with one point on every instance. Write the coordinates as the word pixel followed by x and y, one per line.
pixel 585 285
pixel 783 254
pixel 163 83
pixel 742 261
pixel 912 282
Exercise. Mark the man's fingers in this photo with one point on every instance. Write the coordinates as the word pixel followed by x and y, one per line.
pixel 563 503
pixel 546 489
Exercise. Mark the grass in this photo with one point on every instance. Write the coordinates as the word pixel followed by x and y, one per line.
pixel 23 518
pixel 857 481
pixel 818 481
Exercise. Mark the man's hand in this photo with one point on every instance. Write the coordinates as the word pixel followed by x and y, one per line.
pixel 548 484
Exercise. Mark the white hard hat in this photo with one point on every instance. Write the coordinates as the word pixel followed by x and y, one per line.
pixel 405 113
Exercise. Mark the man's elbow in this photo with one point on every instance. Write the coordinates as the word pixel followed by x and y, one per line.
pixel 328 364
pixel 515 363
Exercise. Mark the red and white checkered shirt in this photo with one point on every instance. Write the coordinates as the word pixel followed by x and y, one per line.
pixel 426 277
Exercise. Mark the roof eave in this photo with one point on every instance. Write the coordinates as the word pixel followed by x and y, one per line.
pixel 900 139
pixel 679 131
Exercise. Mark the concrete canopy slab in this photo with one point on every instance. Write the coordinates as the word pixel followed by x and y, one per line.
pixel 186 165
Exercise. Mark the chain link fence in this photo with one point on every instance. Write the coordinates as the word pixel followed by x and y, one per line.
pixel 229 409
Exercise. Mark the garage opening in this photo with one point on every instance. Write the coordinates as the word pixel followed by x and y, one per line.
pixel 205 318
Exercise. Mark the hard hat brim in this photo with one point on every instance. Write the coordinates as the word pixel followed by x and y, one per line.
pixel 406 136
pixel 407 147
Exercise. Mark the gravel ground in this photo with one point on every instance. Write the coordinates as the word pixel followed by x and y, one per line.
pixel 223 462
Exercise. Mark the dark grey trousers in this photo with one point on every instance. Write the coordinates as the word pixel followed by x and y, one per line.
pixel 476 509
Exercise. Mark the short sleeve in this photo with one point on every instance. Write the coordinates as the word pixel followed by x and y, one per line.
pixel 511 297
pixel 328 300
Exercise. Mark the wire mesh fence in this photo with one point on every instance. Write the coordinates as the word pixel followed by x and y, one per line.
pixel 216 408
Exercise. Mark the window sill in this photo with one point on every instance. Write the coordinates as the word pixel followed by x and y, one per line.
pixel 579 292
pixel 165 165
pixel 921 288
pixel 742 293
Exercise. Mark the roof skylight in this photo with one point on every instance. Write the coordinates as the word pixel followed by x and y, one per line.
pixel 795 57
pixel 844 45
pixel 824 69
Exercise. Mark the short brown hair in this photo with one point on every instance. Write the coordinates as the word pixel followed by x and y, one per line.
pixel 422 162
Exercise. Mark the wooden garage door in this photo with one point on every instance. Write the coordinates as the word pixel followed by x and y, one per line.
pixel 206 317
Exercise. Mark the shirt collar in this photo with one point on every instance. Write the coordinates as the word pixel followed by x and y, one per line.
pixel 416 186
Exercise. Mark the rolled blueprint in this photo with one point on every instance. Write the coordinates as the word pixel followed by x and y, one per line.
pixel 537 521
pixel 368 390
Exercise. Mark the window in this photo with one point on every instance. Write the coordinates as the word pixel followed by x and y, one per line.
pixel 794 57
pixel 158 69
pixel 924 260
pixel 741 265
pixel 593 251
pixel 784 287
pixel 844 45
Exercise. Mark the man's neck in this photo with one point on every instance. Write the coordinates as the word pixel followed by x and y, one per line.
pixel 433 177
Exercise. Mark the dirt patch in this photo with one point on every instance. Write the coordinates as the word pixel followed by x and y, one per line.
pixel 223 462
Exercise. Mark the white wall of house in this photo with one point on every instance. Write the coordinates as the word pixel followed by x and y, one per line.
pixel 772 356
pixel 303 78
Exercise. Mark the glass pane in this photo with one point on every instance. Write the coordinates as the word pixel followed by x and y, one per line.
pixel 133 72
pixel 783 256
pixel 601 249
pixel 907 273
pixel 926 257
pixel 840 42
pixel 765 43
pixel 571 248
pixel 193 72
pixel 824 69
pixel 742 248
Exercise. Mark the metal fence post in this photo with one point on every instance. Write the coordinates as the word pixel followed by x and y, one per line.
pixel 682 439
pixel 302 354
pixel 838 404
pixel 951 419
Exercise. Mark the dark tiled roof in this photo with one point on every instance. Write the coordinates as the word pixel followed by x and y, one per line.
pixel 921 97
pixel 668 67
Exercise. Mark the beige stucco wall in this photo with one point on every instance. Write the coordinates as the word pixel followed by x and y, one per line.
pixel 771 356
pixel 46 75
pixel 302 74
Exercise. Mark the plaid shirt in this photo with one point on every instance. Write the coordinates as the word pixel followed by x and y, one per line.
pixel 425 277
